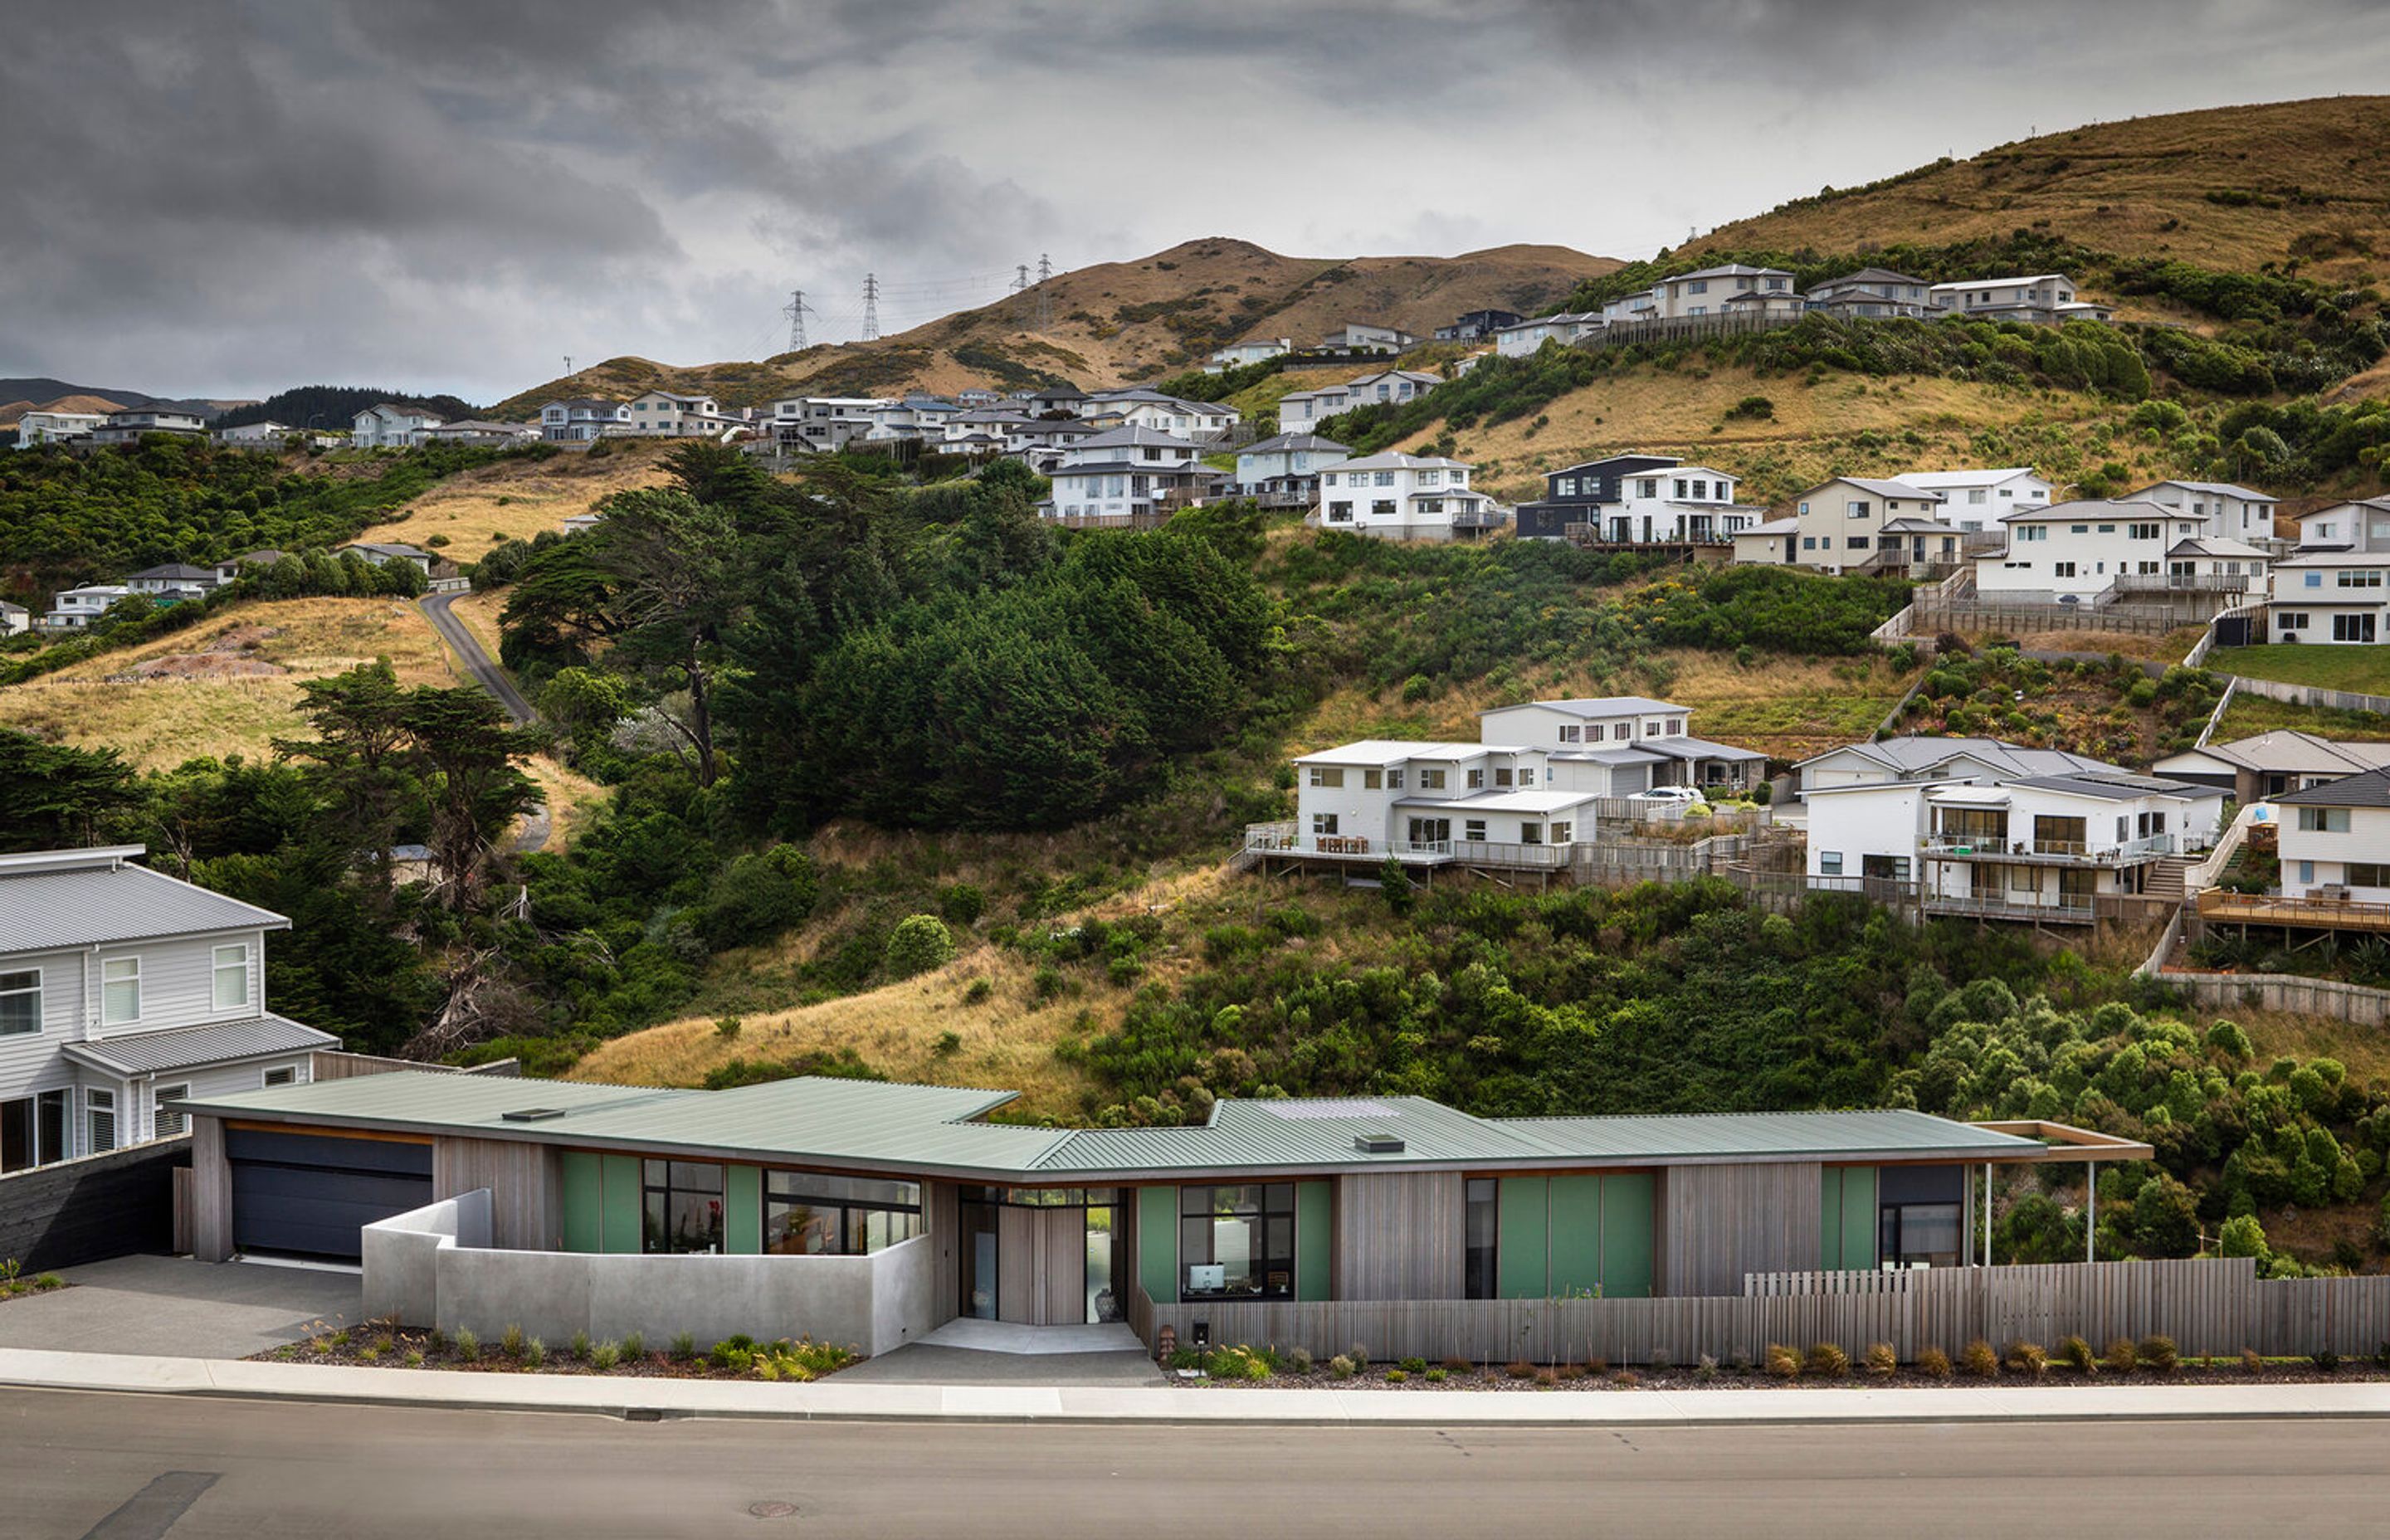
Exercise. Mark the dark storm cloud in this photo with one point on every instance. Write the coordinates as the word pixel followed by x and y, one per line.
pixel 233 195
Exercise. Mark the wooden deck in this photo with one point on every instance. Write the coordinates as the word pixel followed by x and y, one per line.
pixel 2218 906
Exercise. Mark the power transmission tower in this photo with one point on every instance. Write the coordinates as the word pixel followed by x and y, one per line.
pixel 568 364
pixel 1019 287
pixel 795 311
pixel 1044 298
pixel 871 307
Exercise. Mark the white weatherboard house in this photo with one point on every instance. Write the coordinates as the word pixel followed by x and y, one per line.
pixel 1839 520
pixel 670 415
pixel 1122 476
pixel 1707 291
pixel 1637 500
pixel 1363 337
pixel 2332 597
pixel 2043 299
pixel 1974 500
pixel 393 425
pixel 583 418
pixel 121 992
pixel 2265 766
pixel 37 428
pixel 824 424
pixel 1521 338
pixel 2234 512
pixel 72 608
pixel 15 619
pixel 1201 421
pixel 2362 525
pixel 1433 803
pixel 2335 840
pixel 1235 356
pixel 2070 552
pixel 1284 471
pixel 1618 745
pixel 1873 294
pixel 1978 827
pixel 1396 496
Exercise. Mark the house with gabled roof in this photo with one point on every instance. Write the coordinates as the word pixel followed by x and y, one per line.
pixel 2265 766
pixel 1638 500
pixel 1707 291
pixel 1397 497
pixel 1283 471
pixel 1873 294
pixel 583 419
pixel 2042 299
pixel 1972 501
pixel 1842 521
pixel 2238 512
pixel 393 425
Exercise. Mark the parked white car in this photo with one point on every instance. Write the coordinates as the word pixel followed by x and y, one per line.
pixel 1668 795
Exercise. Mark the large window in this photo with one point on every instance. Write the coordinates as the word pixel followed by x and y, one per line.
pixel 20 1002
pixel 231 969
pixel 684 1206
pixel 120 991
pixel 1236 1242
pixel 1481 1229
pixel 805 1214
pixel 2323 820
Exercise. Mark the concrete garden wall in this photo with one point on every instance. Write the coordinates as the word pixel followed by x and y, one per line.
pixel 435 1267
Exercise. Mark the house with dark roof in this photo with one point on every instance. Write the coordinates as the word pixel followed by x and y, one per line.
pixel 173 579
pixel 393 425
pixel 2334 842
pixel 1873 294
pixel 2265 765
pixel 1977 826
pixel 1283 471
pixel 1125 477
pixel 124 991
pixel 874 1213
pixel 1476 325
pixel 1638 500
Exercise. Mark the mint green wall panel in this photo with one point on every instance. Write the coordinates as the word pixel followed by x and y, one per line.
pixel 1312 1236
pixel 1830 1219
pixel 1575 1235
pixel 742 1211
pixel 1628 1203
pixel 1156 1243
pixel 582 1179
pixel 1523 1250
pixel 624 1226
pixel 1859 1218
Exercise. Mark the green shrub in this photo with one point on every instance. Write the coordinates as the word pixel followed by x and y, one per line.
pixel 634 1346
pixel 1342 1367
pixel 604 1357
pixel 2076 1355
pixel 2157 1355
pixel 578 1348
pixel 963 903
pixel 918 943
pixel 1438 1375
pixel 684 1346
pixel 510 1341
pixel 1414 1364
pixel 469 1345
pixel 1236 1363
pixel 1298 1360
pixel 535 1354
pixel 1396 1377
pixel 2325 1361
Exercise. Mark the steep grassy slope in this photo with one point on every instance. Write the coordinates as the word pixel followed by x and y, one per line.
pixel 2236 188
pixel 1119 321
pixel 516 499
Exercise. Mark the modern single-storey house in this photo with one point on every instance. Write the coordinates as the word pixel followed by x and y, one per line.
pixel 2264 766
pixel 382 553
pixel 873 1213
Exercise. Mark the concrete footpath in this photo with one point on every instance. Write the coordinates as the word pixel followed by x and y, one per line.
pixel 829 1400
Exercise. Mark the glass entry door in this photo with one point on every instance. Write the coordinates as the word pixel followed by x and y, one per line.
pixel 978 1256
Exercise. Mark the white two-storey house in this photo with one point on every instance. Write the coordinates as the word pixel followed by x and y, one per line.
pixel 670 415
pixel 2332 597
pixel 2334 840
pixel 1618 745
pixel 2074 552
pixel 1123 476
pixel 73 609
pixel 1978 827
pixel 1284 471
pixel 583 418
pixel 121 992
pixel 2362 525
pixel 393 425
pixel 1397 497
pixel 1972 501
pixel 1430 803
pixel 2235 512
pixel 1197 421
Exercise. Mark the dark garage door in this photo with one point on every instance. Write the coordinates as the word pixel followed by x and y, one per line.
pixel 311 1193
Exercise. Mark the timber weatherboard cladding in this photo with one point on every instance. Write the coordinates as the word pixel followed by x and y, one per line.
pixel 1717 1223
pixel 1399 1236
pixel 526 1202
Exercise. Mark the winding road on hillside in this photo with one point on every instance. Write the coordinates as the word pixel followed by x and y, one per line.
pixel 486 672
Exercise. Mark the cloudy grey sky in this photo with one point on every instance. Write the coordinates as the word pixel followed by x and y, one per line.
pixel 226 197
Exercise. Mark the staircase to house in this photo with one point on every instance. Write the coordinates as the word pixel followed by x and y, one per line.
pixel 2165 880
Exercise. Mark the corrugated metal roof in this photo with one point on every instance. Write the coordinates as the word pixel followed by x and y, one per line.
pixel 187 1047
pixel 922 1128
pixel 1714 1135
pixel 85 905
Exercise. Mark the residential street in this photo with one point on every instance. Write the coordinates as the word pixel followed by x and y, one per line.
pixel 113 1467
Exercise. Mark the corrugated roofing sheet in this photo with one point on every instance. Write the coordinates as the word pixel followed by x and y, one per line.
pixel 881 1127
pixel 43 910
pixel 187 1047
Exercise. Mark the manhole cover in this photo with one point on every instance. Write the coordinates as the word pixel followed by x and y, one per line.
pixel 773 1509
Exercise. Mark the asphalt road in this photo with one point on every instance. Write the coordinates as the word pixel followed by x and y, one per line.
pixel 479 664
pixel 160 1468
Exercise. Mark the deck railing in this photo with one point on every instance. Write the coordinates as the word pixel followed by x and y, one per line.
pixel 2063 852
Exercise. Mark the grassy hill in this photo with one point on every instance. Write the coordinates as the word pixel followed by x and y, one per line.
pixel 1120 322
pixel 2303 183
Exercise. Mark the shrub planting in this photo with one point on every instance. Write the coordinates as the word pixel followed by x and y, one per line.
pixel 1980 1361
pixel 1825 1361
pixel 1934 1364
pixel 1782 1362
pixel 2076 1355
pixel 1881 1362
pixel 2157 1355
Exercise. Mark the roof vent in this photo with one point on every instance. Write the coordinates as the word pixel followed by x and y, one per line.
pixel 533 1114
pixel 1377 1143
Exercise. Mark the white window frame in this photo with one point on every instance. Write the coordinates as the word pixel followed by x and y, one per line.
pixel 218 967
pixel 9 991
pixel 164 1124
pixel 108 1015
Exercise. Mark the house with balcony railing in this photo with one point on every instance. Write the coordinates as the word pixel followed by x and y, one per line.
pixel 1980 828
pixel 1430 804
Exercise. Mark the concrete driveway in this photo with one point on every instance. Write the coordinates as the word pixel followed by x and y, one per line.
pixel 176 1307
pixel 988 1352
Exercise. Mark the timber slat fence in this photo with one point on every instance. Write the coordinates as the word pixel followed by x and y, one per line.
pixel 2211 1308
pixel 2291 993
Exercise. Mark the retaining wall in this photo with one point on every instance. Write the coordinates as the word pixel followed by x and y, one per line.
pixel 94 1207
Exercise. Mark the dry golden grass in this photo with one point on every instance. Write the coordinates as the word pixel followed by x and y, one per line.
pixel 158 723
pixel 539 495
pixel 2274 1033
pixel 480 611
pixel 2139 187
pixel 572 799
pixel 1006 1040
pixel 2170 646
pixel 1683 412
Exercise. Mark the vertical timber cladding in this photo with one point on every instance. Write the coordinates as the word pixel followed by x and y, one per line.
pixel 1399 1235
pixel 1846 1219
pixel 1719 1222
pixel 523 1178
pixel 1576 1236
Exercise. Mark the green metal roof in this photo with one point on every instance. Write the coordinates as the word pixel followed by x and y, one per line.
pixel 879 1126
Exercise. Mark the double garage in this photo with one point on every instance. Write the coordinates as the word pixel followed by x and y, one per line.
pixel 310 1194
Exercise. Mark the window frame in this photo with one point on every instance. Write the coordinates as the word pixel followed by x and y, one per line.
pixel 1272 1271
pixel 666 1185
pixel 19 991
pixel 107 1014
pixel 217 967
pixel 785 1186
pixel 99 1101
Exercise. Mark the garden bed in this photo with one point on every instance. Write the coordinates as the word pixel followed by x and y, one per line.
pixel 14 1284
pixel 1233 1369
pixel 375 1346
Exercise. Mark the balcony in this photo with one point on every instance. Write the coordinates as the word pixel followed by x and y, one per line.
pixel 1486 520
pixel 2222 906
pixel 1286 841
pixel 2189 582
pixel 2048 853
pixel 1972 907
